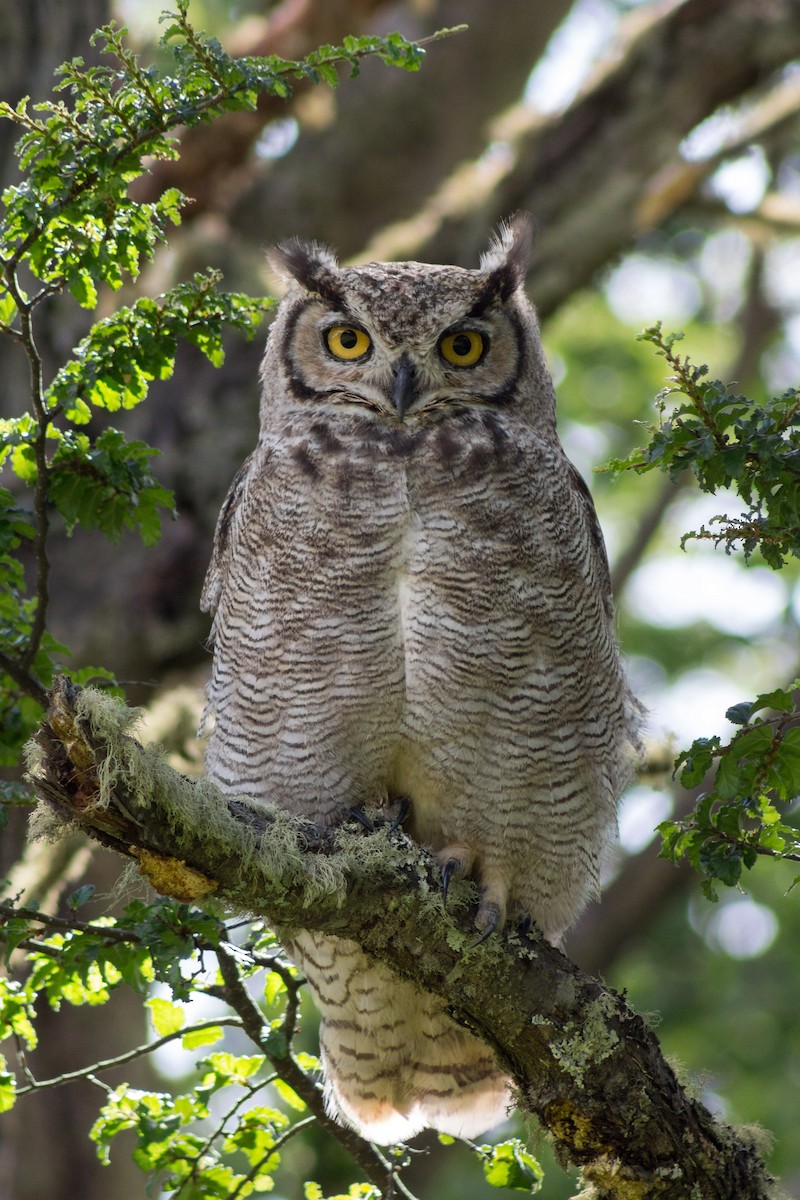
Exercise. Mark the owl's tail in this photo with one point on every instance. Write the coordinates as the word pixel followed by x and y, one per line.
pixel 394 1062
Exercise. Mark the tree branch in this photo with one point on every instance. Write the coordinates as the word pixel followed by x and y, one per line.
pixel 583 1063
pixel 37 1085
pixel 377 1169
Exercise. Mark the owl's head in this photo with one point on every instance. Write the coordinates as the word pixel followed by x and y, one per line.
pixel 407 342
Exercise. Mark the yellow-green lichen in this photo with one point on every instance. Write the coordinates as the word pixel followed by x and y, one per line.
pixel 582 1046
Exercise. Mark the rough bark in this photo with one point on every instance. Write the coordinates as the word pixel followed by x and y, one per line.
pixel 583 1063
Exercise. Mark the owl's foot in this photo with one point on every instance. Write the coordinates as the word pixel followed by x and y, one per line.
pixel 491 914
pixel 458 861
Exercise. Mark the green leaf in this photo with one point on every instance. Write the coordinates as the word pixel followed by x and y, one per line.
pixel 510 1165
pixel 8 1087
pixel 166 1016
pixel 779 700
pixel 194 1038
pixel 232 1068
pixel 722 861
pixel 83 289
pixel 274 988
pixel 289 1095
pixel 8 307
pixel 81 896
pixel 739 714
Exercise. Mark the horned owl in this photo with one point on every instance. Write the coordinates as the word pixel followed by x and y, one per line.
pixel 411 599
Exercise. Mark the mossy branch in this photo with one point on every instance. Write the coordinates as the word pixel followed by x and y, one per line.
pixel 584 1064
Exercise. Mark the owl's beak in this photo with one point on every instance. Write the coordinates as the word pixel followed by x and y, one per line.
pixel 404 391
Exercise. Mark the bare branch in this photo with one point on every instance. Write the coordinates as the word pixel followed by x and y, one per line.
pixel 109 932
pixel 23 678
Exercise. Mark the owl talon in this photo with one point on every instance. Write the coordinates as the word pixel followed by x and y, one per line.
pixel 487 933
pixel 450 869
pixel 362 818
pixel 403 809
pixel 489 919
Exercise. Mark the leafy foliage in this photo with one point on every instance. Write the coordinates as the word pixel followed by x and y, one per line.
pixel 82 964
pixel 729 441
pixel 756 774
pixel 223 1136
pixel 511 1165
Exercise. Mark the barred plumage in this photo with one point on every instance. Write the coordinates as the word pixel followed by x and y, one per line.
pixel 412 600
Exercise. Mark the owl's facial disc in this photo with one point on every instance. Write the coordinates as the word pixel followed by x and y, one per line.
pixel 402 359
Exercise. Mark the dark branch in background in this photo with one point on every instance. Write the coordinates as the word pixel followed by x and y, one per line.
pixel 583 1063
pixel 213 156
pixel 757 322
pixel 649 524
pixel 609 168
pixel 502 42
pixel 633 901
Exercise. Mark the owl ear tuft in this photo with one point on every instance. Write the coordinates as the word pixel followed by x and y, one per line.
pixel 311 265
pixel 508 258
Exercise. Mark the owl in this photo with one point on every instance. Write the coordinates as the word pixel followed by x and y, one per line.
pixel 411 601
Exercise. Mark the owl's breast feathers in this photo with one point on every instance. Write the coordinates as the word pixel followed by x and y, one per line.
pixel 395 604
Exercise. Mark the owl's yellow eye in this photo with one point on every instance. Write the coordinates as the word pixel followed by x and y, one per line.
pixel 463 349
pixel 347 342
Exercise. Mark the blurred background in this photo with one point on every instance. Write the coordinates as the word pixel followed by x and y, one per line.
pixel 657 146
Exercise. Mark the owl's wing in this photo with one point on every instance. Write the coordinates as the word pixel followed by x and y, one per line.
pixel 634 713
pixel 586 508
pixel 223 540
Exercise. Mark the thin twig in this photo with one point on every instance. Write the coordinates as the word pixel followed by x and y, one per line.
pixel 197 1158
pixel 111 932
pixel 377 1169
pixel 27 683
pixel 37 1085
pixel 40 506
